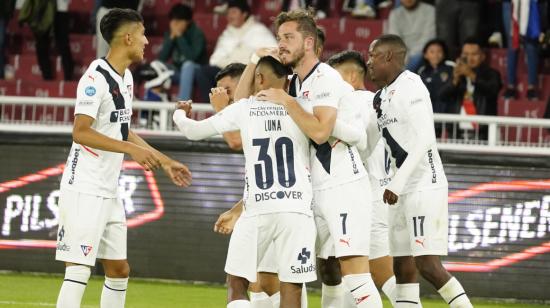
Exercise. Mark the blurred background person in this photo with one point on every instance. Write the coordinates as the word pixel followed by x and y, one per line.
pixel 522 26
pixel 474 87
pixel 45 18
pixel 240 39
pixel 184 46
pixel 6 11
pixel 456 21
pixel 436 71
pixel 414 22
pixel 104 7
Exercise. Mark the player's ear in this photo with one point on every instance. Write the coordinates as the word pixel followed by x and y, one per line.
pixel 388 56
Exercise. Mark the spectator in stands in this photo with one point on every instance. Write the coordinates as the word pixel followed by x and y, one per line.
pixel 156 79
pixel 474 87
pixel 223 94
pixel 360 8
pixel 456 21
pixel 321 6
pixel 184 46
pixel 414 22
pixel 522 30
pixel 6 10
pixel 435 72
pixel 42 38
pixel 237 43
pixel 104 8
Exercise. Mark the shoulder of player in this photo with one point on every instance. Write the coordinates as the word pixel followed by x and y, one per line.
pixel 409 84
pixel 92 74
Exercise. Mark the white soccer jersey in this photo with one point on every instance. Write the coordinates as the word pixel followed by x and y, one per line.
pixel 375 157
pixel 107 97
pixel 405 121
pixel 276 151
pixel 379 168
pixel 335 162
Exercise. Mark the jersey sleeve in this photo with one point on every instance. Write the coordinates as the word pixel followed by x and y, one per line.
pixel 89 94
pixel 328 91
pixel 229 119
pixel 417 107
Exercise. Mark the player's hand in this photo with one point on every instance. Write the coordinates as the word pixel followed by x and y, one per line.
pixel 389 197
pixel 219 98
pixel 178 173
pixel 268 51
pixel 185 106
pixel 145 157
pixel 225 223
pixel 277 96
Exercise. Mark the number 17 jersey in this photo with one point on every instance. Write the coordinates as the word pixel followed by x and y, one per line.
pixel 276 151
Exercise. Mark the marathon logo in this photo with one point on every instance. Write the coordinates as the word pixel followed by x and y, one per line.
pixel 384 121
pixel 266 111
pixel 73 165
pixel 121 116
pixel 274 195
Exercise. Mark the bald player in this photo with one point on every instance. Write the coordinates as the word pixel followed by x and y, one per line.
pixel 278 193
pixel 417 193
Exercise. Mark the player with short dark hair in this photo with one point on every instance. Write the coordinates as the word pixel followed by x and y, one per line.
pixel 92 218
pixel 336 169
pixel 277 198
pixel 417 193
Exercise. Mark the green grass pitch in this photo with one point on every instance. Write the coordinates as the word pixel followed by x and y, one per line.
pixel 30 291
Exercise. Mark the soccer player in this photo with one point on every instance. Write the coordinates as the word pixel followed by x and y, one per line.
pixel 92 222
pixel 277 197
pixel 342 204
pixel 265 291
pixel 351 65
pixel 417 193
pixel 223 94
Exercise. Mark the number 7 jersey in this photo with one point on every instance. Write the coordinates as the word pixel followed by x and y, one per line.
pixel 276 151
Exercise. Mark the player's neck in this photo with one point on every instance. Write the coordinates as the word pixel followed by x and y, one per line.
pixel 392 76
pixel 305 67
pixel 119 61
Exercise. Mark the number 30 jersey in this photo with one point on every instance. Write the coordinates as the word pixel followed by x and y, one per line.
pixel 277 176
pixel 405 121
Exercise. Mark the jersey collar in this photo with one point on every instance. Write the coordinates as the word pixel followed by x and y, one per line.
pixel 308 74
pixel 112 68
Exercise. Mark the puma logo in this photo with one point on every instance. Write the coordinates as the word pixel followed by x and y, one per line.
pixel 345 242
pixel 420 242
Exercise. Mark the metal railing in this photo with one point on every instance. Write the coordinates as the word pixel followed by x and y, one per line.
pixel 481 134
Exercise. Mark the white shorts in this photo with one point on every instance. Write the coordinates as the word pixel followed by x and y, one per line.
pixel 90 227
pixel 379 239
pixel 343 219
pixel 419 223
pixel 292 238
pixel 268 264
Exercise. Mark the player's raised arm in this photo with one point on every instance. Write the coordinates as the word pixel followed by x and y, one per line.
pixel 224 121
pixel 245 87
